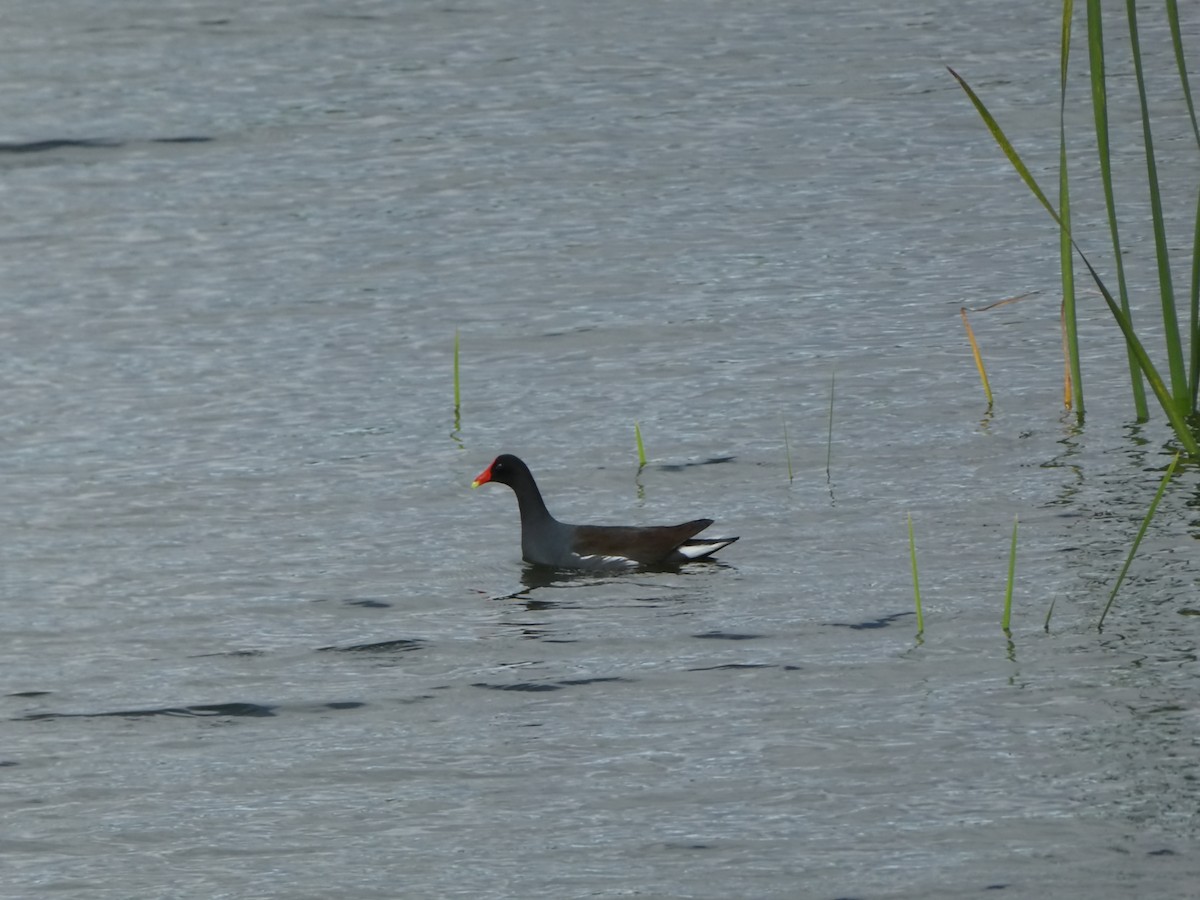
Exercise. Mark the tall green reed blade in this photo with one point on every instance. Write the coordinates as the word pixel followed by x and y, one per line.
pixel 1181 65
pixel 457 398
pixel 912 552
pixel 1194 320
pixel 787 450
pixel 1095 33
pixel 457 393
pixel 829 435
pixel 1195 309
pixel 1180 385
pixel 1049 613
pixel 1162 488
pixel 1178 424
pixel 641 448
pixel 1008 589
pixel 1066 257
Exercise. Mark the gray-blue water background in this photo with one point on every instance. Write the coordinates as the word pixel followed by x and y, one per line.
pixel 260 640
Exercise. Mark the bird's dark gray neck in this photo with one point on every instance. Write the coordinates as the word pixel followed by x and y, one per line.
pixel 533 508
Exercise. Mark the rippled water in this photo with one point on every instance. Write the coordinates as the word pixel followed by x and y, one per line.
pixel 260 639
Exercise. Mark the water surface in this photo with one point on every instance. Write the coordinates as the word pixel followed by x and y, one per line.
pixel 260 639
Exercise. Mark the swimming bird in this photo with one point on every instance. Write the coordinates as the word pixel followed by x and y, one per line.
pixel 545 541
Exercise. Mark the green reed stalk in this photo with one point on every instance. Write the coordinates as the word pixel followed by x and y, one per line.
pixel 1166 401
pixel 1179 378
pixel 1008 590
pixel 1183 368
pixel 641 448
pixel 1095 33
pixel 829 435
pixel 787 450
pixel 1162 488
pixel 1049 613
pixel 457 393
pixel 454 434
pixel 1194 305
pixel 1066 257
pixel 912 552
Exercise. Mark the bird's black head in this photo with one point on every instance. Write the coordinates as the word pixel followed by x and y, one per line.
pixel 505 469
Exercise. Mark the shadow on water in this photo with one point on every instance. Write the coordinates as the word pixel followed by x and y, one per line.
pixel 726 636
pixel 246 710
pixel 588 591
pixel 739 666
pixel 534 578
pixel 235 709
pixel 881 622
pixel 736 636
pixel 544 686
pixel 537 578
pixel 680 465
pixel 88 143
pixel 398 645
pixel 690 463
pixel 200 711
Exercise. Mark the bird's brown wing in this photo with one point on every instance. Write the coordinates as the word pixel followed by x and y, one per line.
pixel 646 545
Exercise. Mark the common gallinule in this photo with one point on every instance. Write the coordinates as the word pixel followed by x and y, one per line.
pixel 546 541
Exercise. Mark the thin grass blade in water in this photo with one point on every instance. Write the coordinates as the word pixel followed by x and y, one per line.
pixel 457 399
pixel 1008 590
pixel 829 435
pixel 1067 259
pixel 641 448
pixel 912 552
pixel 1194 293
pixel 787 450
pixel 1179 379
pixel 1162 488
pixel 1095 34
pixel 457 392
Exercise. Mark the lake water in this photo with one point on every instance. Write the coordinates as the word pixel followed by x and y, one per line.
pixel 260 640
